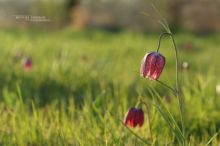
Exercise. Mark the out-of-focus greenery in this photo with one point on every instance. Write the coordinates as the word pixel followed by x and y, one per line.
pixel 82 83
pixel 58 11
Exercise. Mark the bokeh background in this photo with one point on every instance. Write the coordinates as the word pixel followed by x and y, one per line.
pixel 196 16
pixel 69 70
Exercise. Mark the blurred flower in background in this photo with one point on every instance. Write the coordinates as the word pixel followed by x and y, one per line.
pixel 27 63
pixel 187 46
pixel 217 88
pixel 185 65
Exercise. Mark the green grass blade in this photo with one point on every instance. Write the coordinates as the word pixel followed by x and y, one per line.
pixel 167 116
pixel 212 138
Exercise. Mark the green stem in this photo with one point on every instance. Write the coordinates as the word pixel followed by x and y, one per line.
pixel 164 84
pixel 180 100
pixel 160 38
pixel 132 132
pixel 137 136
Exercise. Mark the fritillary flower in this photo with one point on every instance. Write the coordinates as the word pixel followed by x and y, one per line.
pixel 152 65
pixel 134 117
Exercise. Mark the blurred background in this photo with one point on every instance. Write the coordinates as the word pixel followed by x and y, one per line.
pixel 196 16
pixel 69 69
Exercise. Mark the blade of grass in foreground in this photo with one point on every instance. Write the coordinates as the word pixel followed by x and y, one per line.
pixel 212 138
pixel 167 116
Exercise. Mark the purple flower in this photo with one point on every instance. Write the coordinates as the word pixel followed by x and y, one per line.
pixel 134 117
pixel 152 65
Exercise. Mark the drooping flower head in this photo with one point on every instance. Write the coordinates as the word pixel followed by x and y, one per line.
pixel 134 117
pixel 152 65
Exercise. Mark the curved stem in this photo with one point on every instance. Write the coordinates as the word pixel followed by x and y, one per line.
pixel 180 100
pixel 160 38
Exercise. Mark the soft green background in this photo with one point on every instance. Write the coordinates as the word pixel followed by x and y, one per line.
pixel 83 82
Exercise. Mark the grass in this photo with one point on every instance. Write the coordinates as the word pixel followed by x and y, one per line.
pixel 83 82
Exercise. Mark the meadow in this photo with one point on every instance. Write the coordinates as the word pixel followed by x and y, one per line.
pixel 82 83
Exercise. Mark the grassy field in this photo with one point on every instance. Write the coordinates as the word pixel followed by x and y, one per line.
pixel 83 83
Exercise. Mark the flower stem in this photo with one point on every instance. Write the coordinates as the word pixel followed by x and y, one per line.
pixel 160 38
pixel 180 100
pixel 137 136
pixel 132 132
pixel 164 84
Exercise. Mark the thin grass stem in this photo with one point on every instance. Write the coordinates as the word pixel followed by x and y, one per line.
pixel 180 100
pixel 136 135
pixel 164 84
